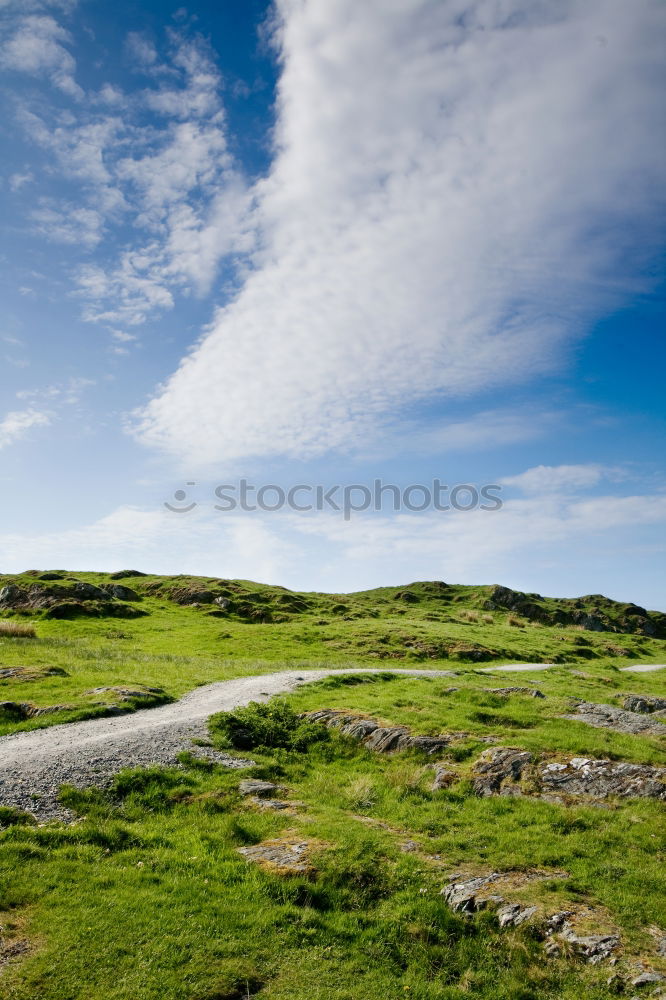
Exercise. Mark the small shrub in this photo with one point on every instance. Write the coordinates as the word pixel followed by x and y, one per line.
pixel 268 727
pixel 16 630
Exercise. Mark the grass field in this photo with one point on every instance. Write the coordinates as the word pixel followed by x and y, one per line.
pixel 147 897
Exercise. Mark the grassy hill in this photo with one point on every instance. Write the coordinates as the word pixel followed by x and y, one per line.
pixel 180 631
pixel 153 891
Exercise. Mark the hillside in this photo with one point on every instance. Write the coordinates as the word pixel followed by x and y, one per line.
pixel 467 834
pixel 170 633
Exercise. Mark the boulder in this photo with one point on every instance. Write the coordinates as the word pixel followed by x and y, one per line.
pixel 644 703
pixel 10 596
pixel 121 593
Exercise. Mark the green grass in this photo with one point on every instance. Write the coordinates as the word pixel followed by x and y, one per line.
pixel 147 897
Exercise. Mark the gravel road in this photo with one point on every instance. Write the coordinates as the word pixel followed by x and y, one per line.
pixel 34 764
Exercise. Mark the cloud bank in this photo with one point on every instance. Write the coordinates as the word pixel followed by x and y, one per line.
pixel 456 188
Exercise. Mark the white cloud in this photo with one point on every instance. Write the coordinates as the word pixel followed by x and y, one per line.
pixel 59 394
pixel 547 479
pixel 17 423
pixel 140 49
pixel 65 223
pixel 437 220
pixel 37 46
pixel 19 180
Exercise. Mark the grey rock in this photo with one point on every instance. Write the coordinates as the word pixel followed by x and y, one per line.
pixel 648 978
pixel 10 595
pixel 31 673
pixel 497 765
pixel 288 857
pixel 594 948
pixel 381 739
pixel 121 592
pixel 462 897
pixel 645 703
pixel 532 692
pixel 88 591
pixel 444 777
pixel 128 693
pixel 620 721
pixel 557 920
pixel 275 804
pixel 253 786
pixel 384 739
pixel 514 914
pixel 601 779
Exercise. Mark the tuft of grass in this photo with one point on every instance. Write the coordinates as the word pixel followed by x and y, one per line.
pixel 17 630
pixel 516 622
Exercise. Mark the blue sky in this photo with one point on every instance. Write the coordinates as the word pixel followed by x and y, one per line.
pixel 325 242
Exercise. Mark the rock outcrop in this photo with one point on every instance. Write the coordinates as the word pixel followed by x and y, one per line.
pixel 382 739
pixel 617 719
pixel 499 771
pixel 604 615
pixel 646 703
pixel 285 856
pixel 79 599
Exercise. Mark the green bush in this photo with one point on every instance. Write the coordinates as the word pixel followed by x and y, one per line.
pixel 267 727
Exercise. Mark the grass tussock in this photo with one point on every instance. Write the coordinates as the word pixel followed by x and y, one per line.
pixel 17 630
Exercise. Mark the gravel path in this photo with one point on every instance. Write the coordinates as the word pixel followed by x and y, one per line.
pixel 516 667
pixel 34 764
pixel 644 668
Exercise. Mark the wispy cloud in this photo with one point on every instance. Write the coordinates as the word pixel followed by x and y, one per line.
pixel 17 423
pixel 548 479
pixel 170 181
pixel 448 207
pixel 67 223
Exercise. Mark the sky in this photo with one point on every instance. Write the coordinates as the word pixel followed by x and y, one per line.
pixel 323 243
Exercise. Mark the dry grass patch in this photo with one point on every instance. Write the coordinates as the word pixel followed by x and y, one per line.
pixel 17 630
